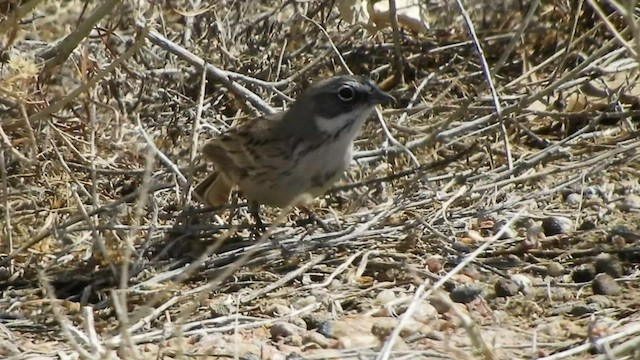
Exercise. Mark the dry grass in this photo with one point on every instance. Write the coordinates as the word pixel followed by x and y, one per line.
pixel 509 115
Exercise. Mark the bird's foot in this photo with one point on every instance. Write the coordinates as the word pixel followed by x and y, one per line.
pixel 312 218
pixel 259 228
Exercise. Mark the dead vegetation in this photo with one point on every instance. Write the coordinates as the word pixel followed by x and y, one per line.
pixel 495 216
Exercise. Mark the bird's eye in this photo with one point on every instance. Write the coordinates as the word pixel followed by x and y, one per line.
pixel 346 93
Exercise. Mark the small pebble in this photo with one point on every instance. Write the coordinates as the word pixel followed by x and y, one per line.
pixel 555 269
pixel 608 264
pixel 554 225
pixel 566 192
pixel 408 244
pixel 604 284
pixel 349 326
pixel 325 328
pixel 440 305
pixel 537 269
pixel 618 241
pixel 625 232
pixel 573 199
pixel 314 337
pixel 587 225
pixel 507 233
pixel 314 320
pixel 583 273
pixel 300 303
pixel 602 327
pixel 630 202
pixel 592 192
pixel 384 311
pixel 382 330
pixel 9 349
pixel 283 330
pixel 601 300
pixel 523 281
pixel 335 284
pixel 299 322
pixel 471 271
pixel 624 187
pixel 386 296
pixel 5 274
pixel 465 294
pixel 358 341
pixel 424 312
pixel 505 287
pixel 293 356
pixel 461 247
pixel 434 264
pixel 294 340
pixel 583 309
pixel 533 236
pixel 485 221
pixel 277 310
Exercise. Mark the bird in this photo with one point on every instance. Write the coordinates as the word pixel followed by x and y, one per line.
pixel 290 157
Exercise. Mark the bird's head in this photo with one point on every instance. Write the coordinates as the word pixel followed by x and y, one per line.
pixel 336 103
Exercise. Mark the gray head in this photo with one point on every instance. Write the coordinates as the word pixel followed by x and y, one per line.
pixel 332 104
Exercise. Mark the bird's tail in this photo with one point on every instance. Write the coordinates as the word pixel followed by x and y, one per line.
pixel 214 190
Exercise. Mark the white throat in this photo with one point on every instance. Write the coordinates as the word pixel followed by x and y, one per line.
pixel 329 161
pixel 333 125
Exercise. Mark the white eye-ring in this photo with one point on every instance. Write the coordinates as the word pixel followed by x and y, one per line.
pixel 346 93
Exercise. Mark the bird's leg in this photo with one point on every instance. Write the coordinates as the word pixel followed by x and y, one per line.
pixel 234 208
pixel 254 210
pixel 314 218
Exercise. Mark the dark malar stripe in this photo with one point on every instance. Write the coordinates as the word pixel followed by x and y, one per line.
pixel 326 139
pixel 323 141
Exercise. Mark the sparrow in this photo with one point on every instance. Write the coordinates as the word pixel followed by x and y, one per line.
pixel 293 156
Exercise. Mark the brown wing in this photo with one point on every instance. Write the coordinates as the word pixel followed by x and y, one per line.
pixel 225 155
pixel 242 149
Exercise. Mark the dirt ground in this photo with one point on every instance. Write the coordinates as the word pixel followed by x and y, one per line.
pixel 496 216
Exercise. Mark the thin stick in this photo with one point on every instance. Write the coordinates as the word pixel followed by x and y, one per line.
pixel 58 105
pixel 212 71
pixel 488 77
pixel 399 64
pixel 163 158
pixel 18 14
pixel 533 6
pixel 195 129
pixel 49 228
pixel 5 202
pixel 61 51
pixel 634 329
pixel 611 27
pixel 421 294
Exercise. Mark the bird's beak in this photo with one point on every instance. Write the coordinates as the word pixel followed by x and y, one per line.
pixel 381 97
